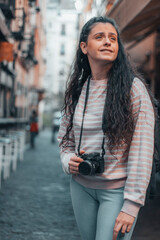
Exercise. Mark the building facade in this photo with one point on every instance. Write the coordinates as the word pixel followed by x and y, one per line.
pixel 61 41
pixel 22 61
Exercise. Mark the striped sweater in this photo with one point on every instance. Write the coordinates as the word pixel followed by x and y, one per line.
pixel 129 168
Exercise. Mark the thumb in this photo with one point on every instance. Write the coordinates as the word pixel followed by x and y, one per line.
pixel 82 151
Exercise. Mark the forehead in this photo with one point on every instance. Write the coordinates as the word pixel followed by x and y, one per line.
pixel 103 27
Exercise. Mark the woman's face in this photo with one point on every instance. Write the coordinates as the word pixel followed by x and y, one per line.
pixel 102 43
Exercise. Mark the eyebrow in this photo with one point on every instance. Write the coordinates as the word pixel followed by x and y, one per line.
pixel 103 33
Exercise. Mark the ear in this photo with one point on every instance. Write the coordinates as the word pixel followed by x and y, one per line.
pixel 83 47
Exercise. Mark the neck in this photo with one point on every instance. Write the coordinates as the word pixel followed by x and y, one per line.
pixel 100 72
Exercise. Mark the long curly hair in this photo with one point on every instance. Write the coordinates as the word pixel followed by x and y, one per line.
pixel 118 122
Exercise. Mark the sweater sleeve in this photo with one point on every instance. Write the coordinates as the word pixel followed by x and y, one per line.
pixel 69 150
pixel 141 151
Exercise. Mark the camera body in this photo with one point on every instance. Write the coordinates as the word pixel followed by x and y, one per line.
pixel 93 163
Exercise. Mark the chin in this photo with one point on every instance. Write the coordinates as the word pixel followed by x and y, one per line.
pixel 107 60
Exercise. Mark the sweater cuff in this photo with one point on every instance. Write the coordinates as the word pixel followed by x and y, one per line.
pixel 65 158
pixel 130 208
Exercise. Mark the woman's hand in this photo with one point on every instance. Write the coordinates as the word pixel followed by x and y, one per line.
pixel 74 163
pixel 123 223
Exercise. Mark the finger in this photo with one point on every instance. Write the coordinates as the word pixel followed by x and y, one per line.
pixel 76 159
pixel 79 160
pixel 116 230
pixel 82 151
pixel 123 230
pixel 128 228
pixel 115 234
pixel 74 164
pixel 75 168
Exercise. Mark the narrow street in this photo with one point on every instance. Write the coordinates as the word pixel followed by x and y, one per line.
pixel 35 201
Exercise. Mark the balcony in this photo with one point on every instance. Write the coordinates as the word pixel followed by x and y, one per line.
pixel 18 36
pixel 28 59
pixel 20 15
pixel 7 8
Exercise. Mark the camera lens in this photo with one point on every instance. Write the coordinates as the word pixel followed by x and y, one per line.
pixel 85 168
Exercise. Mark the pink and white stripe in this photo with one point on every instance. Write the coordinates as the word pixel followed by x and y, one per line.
pixel 130 169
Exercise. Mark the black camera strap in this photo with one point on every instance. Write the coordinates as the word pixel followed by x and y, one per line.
pixel 103 150
pixel 85 104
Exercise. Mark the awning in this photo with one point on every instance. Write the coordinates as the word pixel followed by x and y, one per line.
pixel 6 52
pixel 136 19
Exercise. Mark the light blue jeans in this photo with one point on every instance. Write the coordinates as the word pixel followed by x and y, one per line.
pixel 96 211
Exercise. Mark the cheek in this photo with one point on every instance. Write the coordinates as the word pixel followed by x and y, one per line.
pixel 116 51
pixel 92 49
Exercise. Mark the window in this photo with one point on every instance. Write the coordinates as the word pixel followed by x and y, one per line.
pixel 63 29
pixel 62 49
pixel 61 72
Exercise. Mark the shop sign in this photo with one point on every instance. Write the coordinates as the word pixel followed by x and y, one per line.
pixel 6 52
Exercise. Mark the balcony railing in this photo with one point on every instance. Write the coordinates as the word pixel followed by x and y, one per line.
pixel 7 7
pixel 28 59
pixel 32 3
pixel 20 15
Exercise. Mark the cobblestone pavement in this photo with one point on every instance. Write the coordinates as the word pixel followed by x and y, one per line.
pixel 35 201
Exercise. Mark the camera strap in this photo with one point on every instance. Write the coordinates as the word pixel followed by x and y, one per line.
pixel 85 104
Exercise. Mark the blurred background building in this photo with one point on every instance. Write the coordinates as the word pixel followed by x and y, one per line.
pixel 38 39
pixel 22 60
pixel 61 36
pixel 140 28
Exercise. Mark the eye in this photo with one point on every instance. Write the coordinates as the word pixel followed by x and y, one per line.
pixel 113 39
pixel 98 37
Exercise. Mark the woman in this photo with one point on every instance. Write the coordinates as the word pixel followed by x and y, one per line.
pixel 116 119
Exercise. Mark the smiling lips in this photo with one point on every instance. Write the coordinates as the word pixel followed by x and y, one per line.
pixel 106 50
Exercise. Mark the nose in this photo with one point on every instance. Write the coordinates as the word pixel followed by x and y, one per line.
pixel 107 41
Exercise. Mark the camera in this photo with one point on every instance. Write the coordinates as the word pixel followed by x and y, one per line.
pixel 93 163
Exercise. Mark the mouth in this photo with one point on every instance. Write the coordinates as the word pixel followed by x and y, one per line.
pixel 106 50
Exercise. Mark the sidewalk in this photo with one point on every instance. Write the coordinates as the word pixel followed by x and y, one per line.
pixel 35 201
